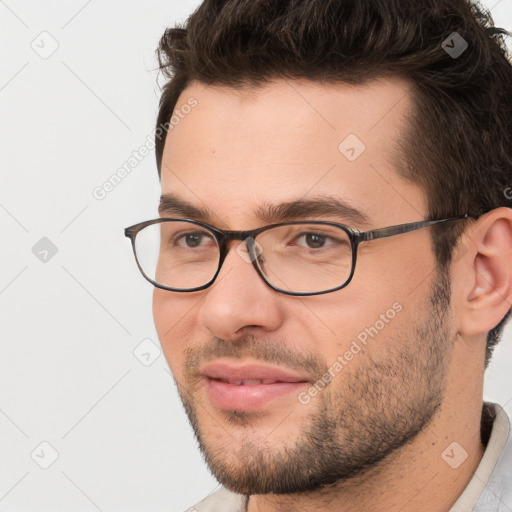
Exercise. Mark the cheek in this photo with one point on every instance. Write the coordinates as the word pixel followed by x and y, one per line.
pixel 161 317
pixel 373 309
pixel 392 268
pixel 173 317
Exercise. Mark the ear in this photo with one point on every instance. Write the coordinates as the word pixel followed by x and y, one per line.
pixel 485 272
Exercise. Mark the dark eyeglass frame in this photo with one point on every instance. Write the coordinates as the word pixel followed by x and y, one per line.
pixel 223 237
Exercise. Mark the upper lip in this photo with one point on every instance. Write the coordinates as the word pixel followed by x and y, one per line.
pixel 242 372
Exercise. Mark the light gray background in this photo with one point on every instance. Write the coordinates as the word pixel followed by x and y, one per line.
pixel 69 325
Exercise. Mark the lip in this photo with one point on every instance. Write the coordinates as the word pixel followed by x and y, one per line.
pixel 236 387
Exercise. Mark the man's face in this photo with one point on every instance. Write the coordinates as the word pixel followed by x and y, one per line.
pixel 288 393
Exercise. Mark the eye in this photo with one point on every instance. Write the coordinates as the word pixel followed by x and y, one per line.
pixel 193 239
pixel 314 240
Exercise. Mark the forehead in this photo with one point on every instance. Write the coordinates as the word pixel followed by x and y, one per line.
pixel 288 140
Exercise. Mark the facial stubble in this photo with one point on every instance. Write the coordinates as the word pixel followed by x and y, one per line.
pixel 380 405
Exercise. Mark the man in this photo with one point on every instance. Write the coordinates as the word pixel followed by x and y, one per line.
pixel 328 341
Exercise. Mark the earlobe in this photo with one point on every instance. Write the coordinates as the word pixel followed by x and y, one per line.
pixel 489 296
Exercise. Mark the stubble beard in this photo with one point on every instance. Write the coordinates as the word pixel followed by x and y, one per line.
pixel 380 406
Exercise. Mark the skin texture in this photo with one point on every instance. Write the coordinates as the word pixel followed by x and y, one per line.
pixel 375 435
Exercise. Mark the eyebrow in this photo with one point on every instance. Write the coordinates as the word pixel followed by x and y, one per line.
pixel 171 204
pixel 322 206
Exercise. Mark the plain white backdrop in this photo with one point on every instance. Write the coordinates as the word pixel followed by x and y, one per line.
pixel 89 416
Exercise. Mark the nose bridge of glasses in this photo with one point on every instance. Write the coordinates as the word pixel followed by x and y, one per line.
pixel 248 249
pixel 226 238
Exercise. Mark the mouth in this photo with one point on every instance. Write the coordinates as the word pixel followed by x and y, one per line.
pixel 249 387
pixel 249 382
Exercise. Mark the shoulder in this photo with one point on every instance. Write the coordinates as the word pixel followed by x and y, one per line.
pixel 220 501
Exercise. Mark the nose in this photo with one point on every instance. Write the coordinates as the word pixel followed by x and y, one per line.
pixel 239 300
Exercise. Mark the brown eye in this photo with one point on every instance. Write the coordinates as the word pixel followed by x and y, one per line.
pixel 315 241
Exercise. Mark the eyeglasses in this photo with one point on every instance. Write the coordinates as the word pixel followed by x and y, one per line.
pixel 295 258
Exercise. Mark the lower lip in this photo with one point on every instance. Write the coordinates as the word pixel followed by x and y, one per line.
pixel 249 398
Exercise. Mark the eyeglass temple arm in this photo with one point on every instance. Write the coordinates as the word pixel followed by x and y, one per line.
pixel 373 234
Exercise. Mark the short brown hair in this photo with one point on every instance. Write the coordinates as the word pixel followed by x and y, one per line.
pixel 458 147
